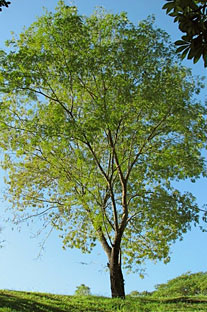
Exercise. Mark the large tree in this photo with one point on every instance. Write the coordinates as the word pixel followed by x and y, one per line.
pixel 97 121
pixel 191 16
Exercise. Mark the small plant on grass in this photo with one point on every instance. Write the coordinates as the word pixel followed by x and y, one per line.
pixel 83 290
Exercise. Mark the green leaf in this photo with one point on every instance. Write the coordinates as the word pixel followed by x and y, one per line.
pixel 205 59
pixel 185 52
pixel 180 42
pixel 180 49
pixel 191 53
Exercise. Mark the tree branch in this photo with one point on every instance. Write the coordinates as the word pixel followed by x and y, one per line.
pixel 36 215
pixel 148 139
pixel 104 243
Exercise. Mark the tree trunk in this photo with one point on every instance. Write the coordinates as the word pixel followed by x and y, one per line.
pixel 116 276
pixel 117 282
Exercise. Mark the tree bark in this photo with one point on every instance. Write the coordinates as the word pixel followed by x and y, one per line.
pixel 116 276
pixel 117 282
pixel 114 265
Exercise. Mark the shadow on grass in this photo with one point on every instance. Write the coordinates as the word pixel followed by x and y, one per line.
pixel 185 300
pixel 42 302
pixel 29 305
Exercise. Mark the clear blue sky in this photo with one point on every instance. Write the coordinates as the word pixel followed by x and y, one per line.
pixel 59 271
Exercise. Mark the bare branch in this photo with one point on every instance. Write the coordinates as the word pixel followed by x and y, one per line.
pixel 35 215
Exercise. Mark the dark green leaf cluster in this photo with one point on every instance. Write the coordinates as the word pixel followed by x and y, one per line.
pixel 188 284
pixel 4 3
pixel 191 16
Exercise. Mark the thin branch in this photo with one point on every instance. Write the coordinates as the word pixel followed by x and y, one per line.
pixel 96 160
pixel 116 223
pixel 148 139
pixel 138 195
pixel 106 228
pixel 122 180
pixel 117 131
pixel 35 215
pixel 94 97
pixel 49 97
pixel 42 245
pixel 134 215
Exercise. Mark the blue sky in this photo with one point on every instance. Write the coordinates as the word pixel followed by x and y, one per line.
pixel 59 271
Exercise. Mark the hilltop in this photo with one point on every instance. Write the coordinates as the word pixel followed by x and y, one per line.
pixel 19 301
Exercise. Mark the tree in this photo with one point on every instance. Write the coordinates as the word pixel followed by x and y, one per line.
pixel 4 3
pixel 191 16
pixel 97 121
pixel 188 284
pixel 83 290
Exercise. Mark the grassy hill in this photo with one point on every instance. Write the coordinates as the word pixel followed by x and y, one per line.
pixel 16 301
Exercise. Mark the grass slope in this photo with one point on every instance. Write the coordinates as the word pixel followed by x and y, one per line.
pixel 16 301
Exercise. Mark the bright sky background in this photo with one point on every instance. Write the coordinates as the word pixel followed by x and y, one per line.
pixel 59 271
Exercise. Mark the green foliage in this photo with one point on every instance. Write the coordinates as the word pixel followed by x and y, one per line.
pixel 98 119
pixel 4 3
pixel 188 284
pixel 136 293
pixel 83 290
pixel 191 16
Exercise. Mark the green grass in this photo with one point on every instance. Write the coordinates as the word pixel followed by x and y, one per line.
pixel 17 301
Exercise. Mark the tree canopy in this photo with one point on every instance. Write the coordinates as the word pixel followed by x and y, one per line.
pixel 98 119
pixel 191 16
